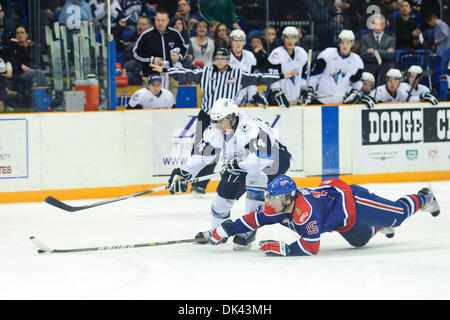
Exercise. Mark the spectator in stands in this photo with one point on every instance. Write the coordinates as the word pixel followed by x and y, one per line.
pixel 380 41
pixel 202 45
pixel 219 10
pixel 74 13
pixel 98 10
pixel 221 36
pixel 6 29
pixel 406 31
pixel 183 13
pixel 5 75
pixel 270 39
pixel 24 74
pixel 212 28
pixel 126 43
pixel 51 8
pixel 152 96
pixel 257 47
pixel 150 48
pixel 441 32
pixel 428 7
pixel 131 10
pixel 178 25
pixel 360 13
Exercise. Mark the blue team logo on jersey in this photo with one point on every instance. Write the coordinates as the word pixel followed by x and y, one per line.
pixel 338 75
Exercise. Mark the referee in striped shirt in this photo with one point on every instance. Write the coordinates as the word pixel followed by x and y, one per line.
pixel 220 81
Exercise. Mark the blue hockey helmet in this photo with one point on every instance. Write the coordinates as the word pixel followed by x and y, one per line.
pixel 282 187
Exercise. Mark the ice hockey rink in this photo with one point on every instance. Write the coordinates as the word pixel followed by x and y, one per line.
pixel 415 264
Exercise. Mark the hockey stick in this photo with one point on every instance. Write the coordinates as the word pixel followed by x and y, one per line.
pixel 416 81
pixel 308 75
pixel 44 249
pixel 57 203
pixel 377 56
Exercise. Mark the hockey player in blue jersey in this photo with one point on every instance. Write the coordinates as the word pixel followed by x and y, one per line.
pixel 351 210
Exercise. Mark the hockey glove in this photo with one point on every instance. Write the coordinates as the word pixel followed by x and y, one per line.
pixel 260 100
pixel 231 171
pixel 428 97
pixel 307 95
pixel 369 101
pixel 221 233
pixel 353 96
pixel 280 98
pixel 177 181
pixel 274 248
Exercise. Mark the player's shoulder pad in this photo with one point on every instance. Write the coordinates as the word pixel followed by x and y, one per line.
pixel 325 53
pixel 302 210
pixel 250 56
pixel 247 125
pixel 276 56
pixel 357 59
pixel 302 52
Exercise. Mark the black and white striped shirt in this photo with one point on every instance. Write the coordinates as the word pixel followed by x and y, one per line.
pixel 217 84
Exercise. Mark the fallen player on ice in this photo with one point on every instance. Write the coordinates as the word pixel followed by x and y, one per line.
pixel 351 210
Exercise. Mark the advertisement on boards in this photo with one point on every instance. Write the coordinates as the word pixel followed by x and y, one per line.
pixel 13 148
pixel 401 139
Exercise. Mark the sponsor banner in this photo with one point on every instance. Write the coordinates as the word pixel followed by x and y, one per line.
pixel 173 135
pixel 396 139
pixel 13 148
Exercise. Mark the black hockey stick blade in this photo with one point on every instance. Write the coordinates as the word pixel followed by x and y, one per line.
pixel 59 204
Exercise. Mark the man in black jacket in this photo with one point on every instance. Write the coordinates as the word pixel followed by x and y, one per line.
pixel 406 31
pixel 160 45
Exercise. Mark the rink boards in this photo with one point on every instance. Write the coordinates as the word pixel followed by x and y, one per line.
pixel 80 155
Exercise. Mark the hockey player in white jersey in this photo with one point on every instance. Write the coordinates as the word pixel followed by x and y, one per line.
pixel 245 60
pixel 335 71
pixel 391 91
pixel 152 96
pixel 365 95
pixel 252 153
pixel 289 57
pixel 414 88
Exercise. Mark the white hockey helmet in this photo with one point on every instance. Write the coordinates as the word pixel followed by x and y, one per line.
pixel 290 32
pixel 415 69
pixel 238 35
pixel 224 108
pixel 367 76
pixel 394 74
pixel 346 35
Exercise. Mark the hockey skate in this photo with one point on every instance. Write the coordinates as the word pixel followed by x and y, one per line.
pixel 197 191
pixel 431 205
pixel 388 232
pixel 244 241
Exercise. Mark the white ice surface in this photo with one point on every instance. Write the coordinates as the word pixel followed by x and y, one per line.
pixel 415 264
